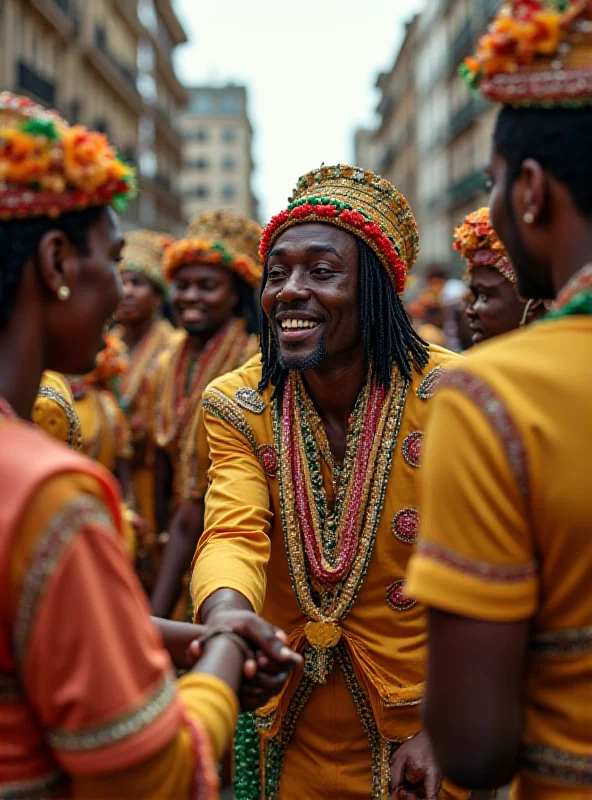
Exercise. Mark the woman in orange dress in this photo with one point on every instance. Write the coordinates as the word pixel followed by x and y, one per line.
pixel 88 704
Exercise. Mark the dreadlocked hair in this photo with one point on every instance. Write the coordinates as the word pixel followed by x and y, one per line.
pixel 247 306
pixel 19 239
pixel 389 339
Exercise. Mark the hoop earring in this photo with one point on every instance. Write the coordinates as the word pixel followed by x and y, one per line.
pixel 527 308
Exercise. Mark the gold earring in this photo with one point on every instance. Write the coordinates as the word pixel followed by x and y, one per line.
pixel 64 293
pixel 528 217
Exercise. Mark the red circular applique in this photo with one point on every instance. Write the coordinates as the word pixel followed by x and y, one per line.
pixel 396 597
pixel 267 456
pixel 412 447
pixel 406 524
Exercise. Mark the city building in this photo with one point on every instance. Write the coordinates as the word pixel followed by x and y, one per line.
pixel 82 58
pixel 217 161
pixel 433 136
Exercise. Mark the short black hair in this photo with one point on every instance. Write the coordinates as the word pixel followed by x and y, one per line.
pixel 559 139
pixel 247 307
pixel 388 336
pixel 19 239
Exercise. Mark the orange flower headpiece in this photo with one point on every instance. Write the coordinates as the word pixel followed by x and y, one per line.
pixel 362 203
pixel 111 362
pixel 218 237
pixel 480 246
pixel 48 167
pixel 536 53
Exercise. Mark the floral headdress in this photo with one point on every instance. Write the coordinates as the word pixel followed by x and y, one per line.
pixel 536 53
pixel 218 237
pixel 48 167
pixel 480 246
pixel 360 202
pixel 143 253
pixel 110 364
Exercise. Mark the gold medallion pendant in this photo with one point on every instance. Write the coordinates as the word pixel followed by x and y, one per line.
pixel 322 634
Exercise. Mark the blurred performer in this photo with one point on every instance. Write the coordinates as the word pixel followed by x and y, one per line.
pixel 505 556
pixel 54 410
pixel 146 335
pixel 88 708
pixel 213 273
pixel 496 307
pixel 311 510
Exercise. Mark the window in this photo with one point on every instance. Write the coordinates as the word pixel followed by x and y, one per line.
pixel 229 135
pixel 199 191
pixel 201 135
pixel 200 163
pixel 230 106
pixel 228 163
pixel 201 104
pixel 228 191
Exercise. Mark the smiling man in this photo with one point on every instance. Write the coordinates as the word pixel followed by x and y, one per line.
pixel 312 508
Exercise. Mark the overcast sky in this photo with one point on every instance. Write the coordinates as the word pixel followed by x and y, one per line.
pixel 310 67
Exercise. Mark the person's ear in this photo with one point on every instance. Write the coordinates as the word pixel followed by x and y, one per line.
pixel 58 264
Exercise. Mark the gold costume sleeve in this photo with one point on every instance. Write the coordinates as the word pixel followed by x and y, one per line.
pixel 475 556
pixel 234 550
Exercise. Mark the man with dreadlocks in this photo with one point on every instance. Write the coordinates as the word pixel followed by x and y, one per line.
pixel 311 511
pixel 505 555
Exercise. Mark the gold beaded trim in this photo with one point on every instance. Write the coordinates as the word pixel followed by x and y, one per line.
pixel 427 388
pixel 74 428
pixel 51 545
pixel 225 409
pixel 120 728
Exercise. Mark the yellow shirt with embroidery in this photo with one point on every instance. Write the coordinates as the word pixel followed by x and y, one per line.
pixel 54 410
pixel 243 548
pixel 506 531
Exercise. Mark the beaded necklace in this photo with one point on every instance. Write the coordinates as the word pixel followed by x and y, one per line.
pixel 141 358
pixel 185 382
pixel 329 551
pixel 576 296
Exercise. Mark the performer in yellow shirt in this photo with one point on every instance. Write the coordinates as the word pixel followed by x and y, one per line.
pixel 505 556
pixel 146 335
pixel 312 508
pixel 213 274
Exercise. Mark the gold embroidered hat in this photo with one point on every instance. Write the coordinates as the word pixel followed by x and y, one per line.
pixel 48 167
pixel 536 53
pixel 219 237
pixel 362 203
pixel 143 253
pixel 479 245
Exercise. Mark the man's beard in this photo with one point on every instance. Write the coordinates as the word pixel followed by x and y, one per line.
pixel 301 363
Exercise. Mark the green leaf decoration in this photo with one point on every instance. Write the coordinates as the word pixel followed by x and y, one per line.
pixel 41 127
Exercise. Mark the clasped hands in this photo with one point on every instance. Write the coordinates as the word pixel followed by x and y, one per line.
pixel 266 667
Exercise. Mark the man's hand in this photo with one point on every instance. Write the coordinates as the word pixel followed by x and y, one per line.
pixel 415 774
pixel 264 675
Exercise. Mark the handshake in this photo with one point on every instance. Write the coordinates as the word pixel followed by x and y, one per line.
pixel 267 660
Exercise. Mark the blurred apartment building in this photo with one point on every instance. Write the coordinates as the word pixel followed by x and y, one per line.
pixel 217 157
pixel 106 64
pixel 434 135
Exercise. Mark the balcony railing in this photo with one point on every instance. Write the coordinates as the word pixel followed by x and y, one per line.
pixel 465 115
pixel 473 184
pixel 31 81
pixel 101 42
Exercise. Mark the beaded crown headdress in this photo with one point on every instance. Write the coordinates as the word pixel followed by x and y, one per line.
pixel 218 237
pixel 536 53
pixel 143 254
pixel 48 167
pixel 362 203
pixel 479 245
